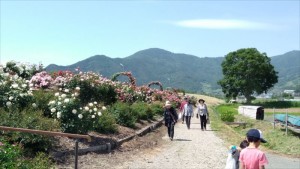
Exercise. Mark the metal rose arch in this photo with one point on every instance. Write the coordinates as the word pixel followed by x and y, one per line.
pixel 128 74
pixel 156 83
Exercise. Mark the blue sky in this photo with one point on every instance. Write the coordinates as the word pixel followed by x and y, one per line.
pixel 65 32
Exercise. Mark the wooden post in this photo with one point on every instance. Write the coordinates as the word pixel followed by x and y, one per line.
pixel 273 118
pixel 51 133
pixel 286 122
pixel 76 154
pixel 48 133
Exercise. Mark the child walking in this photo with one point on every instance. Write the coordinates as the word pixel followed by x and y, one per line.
pixel 251 157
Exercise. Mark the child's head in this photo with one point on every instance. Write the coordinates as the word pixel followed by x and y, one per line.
pixel 232 149
pixel 255 136
pixel 244 144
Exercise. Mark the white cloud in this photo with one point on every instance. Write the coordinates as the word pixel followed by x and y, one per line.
pixel 222 24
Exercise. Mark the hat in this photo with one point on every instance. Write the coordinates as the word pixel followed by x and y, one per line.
pixel 168 103
pixel 256 134
pixel 201 100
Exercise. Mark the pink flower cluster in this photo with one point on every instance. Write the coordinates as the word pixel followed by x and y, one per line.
pixel 41 80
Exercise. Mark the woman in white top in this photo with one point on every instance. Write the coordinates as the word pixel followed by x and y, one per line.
pixel 188 112
pixel 203 113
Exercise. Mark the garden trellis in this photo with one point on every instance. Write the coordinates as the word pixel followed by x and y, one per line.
pixel 128 74
pixel 156 83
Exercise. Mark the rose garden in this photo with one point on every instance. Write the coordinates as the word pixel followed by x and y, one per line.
pixel 70 102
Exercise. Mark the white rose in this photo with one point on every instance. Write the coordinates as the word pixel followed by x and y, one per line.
pixel 91 104
pixel 103 108
pixel 58 103
pixel 67 100
pixel 24 85
pixel 8 104
pixel 74 111
pixel 99 113
pixel 56 94
pixel 15 85
pixel 77 88
pixel 95 109
pixel 76 94
pixel 58 115
pixel 63 95
pixel 91 111
pixel 67 90
pixel 80 116
pixel 53 110
pixel 86 108
pixel 93 116
pixel 10 98
pixel 34 105
pixel 95 103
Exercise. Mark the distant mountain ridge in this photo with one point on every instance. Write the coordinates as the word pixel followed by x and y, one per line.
pixel 184 71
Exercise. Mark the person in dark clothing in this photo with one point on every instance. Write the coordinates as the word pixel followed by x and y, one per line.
pixel 170 117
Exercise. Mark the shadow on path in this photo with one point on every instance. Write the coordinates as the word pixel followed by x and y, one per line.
pixel 179 139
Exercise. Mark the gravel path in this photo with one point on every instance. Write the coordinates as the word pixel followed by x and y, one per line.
pixel 190 149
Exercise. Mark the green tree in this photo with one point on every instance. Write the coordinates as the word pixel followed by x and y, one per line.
pixel 246 71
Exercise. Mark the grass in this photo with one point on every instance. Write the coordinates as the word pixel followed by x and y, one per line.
pixel 278 142
pixel 228 108
pixel 271 113
pixel 276 104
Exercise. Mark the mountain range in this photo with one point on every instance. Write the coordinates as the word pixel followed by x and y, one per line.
pixel 176 70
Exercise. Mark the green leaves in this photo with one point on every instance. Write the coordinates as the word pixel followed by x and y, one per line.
pixel 247 71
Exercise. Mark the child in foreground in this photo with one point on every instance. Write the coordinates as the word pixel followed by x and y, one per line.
pixel 251 157
pixel 234 154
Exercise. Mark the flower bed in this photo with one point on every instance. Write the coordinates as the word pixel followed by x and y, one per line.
pixel 74 102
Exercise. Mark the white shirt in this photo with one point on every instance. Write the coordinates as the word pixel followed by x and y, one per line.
pixel 202 109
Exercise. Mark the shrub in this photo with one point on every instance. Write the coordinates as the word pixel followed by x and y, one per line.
pixel 123 114
pixel 40 161
pixel 41 99
pixel 29 119
pixel 142 111
pixel 157 109
pixel 106 123
pixel 105 93
pixel 9 155
pixel 227 116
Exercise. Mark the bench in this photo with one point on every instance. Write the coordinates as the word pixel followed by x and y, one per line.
pixel 237 123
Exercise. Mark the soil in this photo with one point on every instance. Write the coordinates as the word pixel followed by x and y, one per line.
pixel 122 153
pixel 67 145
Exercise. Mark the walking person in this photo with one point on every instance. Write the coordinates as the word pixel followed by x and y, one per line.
pixel 251 156
pixel 203 113
pixel 170 117
pixel 188 112
pixel 182 106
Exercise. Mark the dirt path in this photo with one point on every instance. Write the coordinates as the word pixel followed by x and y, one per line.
pixel 190 149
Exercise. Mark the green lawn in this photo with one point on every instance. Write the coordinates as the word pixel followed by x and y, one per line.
pixel 277 140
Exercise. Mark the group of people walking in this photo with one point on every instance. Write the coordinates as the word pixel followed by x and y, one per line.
pixel 187 109
pixel 246 156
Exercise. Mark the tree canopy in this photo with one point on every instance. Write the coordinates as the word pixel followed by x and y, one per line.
pixel 247 71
